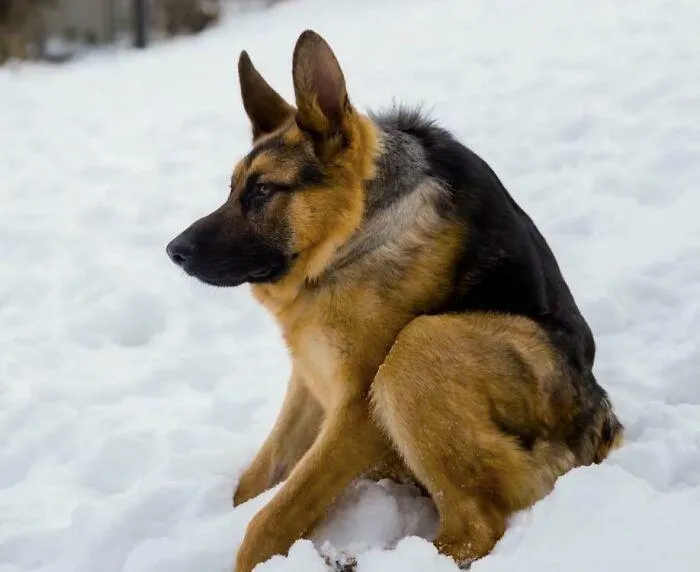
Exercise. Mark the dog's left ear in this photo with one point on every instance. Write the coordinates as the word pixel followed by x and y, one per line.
pixel 266 109
pixel 323 107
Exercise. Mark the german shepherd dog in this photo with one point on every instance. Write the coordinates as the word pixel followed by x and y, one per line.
pixel 432 335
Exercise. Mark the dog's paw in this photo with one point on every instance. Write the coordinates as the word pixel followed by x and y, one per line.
pixel 340 562
pixel 253 482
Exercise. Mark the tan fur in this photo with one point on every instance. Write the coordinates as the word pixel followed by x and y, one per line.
pixel 322 221
pixel 293 433
pixel 435 394
pixel 321 224
pixel 377 389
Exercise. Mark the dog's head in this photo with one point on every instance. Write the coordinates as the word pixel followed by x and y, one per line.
pixel 298 194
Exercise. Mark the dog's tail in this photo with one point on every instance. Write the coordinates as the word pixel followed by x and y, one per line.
pixel 609 432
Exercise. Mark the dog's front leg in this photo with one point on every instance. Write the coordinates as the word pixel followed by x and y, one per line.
pixel 294 432
pixel 348 445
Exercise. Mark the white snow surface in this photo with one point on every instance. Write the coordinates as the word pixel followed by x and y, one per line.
pixel 132 397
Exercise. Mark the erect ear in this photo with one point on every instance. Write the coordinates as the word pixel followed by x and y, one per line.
pixel 266 109
pixel 319 86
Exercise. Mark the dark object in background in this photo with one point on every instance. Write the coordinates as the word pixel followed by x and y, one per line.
pixel 22 29
pixel 190 16
pixel 140 23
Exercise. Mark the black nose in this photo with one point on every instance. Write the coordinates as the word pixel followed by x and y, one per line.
pixel 180 250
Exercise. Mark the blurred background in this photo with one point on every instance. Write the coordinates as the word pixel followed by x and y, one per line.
pixel 58 30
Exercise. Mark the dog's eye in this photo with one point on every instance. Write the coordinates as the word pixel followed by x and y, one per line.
pixel 262 190
pixel 257 194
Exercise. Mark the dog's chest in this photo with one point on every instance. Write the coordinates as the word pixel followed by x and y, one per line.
pixel 337 341
pixel 318 360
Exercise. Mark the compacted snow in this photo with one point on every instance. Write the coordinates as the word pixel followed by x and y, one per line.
pixel 131 397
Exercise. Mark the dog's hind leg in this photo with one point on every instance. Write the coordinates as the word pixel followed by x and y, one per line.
pixel 295 430
pixel 464 399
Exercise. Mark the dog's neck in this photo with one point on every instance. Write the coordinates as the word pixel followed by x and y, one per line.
pixel 399 207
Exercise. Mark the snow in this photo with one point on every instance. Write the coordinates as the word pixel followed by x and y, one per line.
pixel 131 397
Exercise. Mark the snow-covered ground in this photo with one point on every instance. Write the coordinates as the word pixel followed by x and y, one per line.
pixel 131 397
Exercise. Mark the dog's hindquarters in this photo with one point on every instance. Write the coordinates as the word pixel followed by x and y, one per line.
pixel 441 395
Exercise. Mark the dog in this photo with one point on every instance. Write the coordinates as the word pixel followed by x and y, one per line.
pixel 432 336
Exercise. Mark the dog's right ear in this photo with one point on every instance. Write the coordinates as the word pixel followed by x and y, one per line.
pixel 266 109
pixel 319 87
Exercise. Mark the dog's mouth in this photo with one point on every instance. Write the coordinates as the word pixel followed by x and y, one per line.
pixel 223 279
pixel 235 271
pixel 219 282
